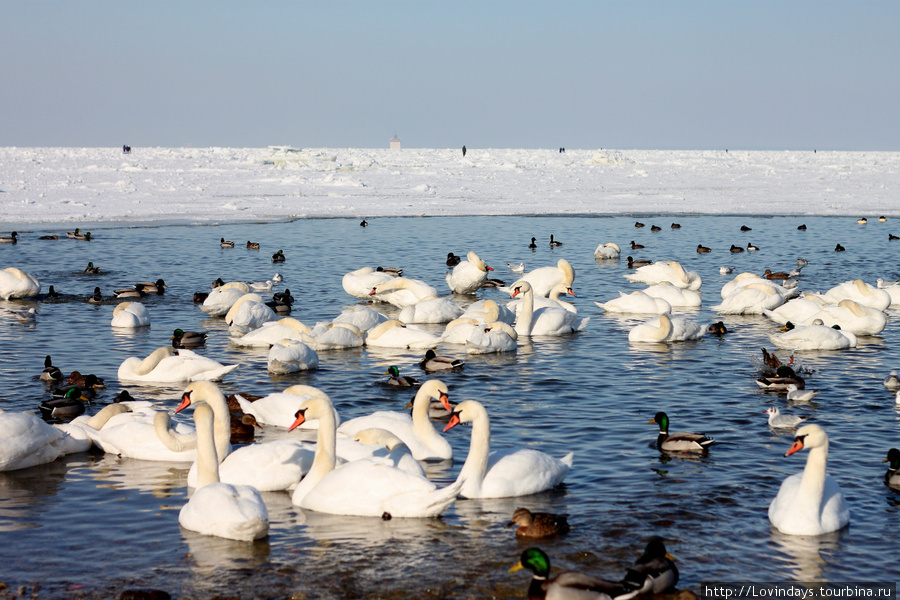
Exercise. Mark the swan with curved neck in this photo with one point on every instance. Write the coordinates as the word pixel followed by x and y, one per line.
pixel 209 393
pixel 543 321
pixel 362 487
pixel 417 432
pixel 469 275
pixel 502 474
pixel 234 512
pixel 811 502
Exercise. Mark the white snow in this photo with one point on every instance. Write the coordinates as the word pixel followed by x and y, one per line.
pixel 41 185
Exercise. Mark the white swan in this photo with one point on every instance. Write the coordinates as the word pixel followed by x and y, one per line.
pixel 676 297
pixel 249 312
pixel 26 441
pixel 163 365
pixel 468 276
pixel 402 291
pixel 851 317
pixel 459 330
pixel 550 301
pixel 815 336
pixel 745 279
pixel 287 328
pixel 364 487
pixel 130 315
pixel 666 329
pixel 861 292
pixel 607 250
pixel 15 283
pixel 636 302
pixel 491 338
pixel 359 283
pixel 892 288
pixel 221 299
pixel 544 279
pixel 279 408
pixel 333 336
pixel 751 299
pixel 797 310
pixel 487 311
pixel 234 512
pixel 543 321
pixel 430 310
pixel 291 356
pixel 417 432
pixel 394 334
pixel 362 316
pixel 503 474
pixel 670 271
pixel 811 502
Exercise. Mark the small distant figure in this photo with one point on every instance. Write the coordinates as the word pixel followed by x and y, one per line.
pixel 891 236
pixel 278 257
pixel 126 149
pixel 554 243
pixel 882 219
pixel 562 150
pixel 862 220
pixel 364 223
pixel 464 150
pixel 676 226
pixel 532 245
pixel 452 259
pixel 839 248
pixel 801 227
pixel 745 228
pixel 655 228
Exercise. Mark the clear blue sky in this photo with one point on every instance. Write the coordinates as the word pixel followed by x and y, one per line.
pixel 502 74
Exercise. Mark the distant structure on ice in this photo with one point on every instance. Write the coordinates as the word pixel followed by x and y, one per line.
pixel 395 142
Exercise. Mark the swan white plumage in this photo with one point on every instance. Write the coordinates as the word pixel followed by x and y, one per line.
pixel 491 338
pixel 636 302
pixel 333 336
pixel 130 315
pixel 550 301
pixel 666 329
pixel 15 283
pixel 811 502
pixel 394 334
pixel 234 512
pixel 892 288
pixel 668 270
pixel 751 299
pixel 249 312
pixel 676 297
pixel 745 279
pixel 280 408
pixel 359 283
pixel 459 330
pixel 26 441
pixel 362 316
pixel 291 356
pixel 366 488
pixel 416 431
pixel 402 291
pixel 468 276
pixel 861 292
pixel 503 474
pixel 221 299
pixel 607 250
pixel 851 317
pixel 430 310
pixel 796 310
pixel 544 279
pixel 163 365
pixel 815 336
pixel 487 311
pixel 543 321
pixel 286 328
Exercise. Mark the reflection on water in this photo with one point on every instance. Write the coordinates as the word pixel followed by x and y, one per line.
pixel 591 393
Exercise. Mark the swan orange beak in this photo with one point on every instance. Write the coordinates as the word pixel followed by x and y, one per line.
pixel 301 419
pixel 445 400
pixel 515 293
pixel 454 421
pixel 185 401
pixel 372 293
pixel 796 447
pixel 488 268
pixel 570 292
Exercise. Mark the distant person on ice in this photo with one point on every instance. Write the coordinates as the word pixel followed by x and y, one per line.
pixel 464 150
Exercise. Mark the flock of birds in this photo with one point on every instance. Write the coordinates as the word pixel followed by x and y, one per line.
pixel 369 466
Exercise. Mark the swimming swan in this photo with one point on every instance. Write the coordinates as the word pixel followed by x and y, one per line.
pixel 163 365
pixel 130 315
pixel 543 321
pixel 15 283
pixel 636 302
pixel 666 329
pixel 468 276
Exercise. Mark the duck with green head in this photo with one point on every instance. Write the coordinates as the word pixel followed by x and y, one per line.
pixel 188 339
pixel 400 380
pixel 681 441
pixel 90 269
pixel 892 476
pixel 568 585
pixel 654 572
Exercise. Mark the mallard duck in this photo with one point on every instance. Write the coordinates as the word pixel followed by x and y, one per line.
pixel 9 239
pixel 568 585
pixel 681 441
pixel 253 245
pixel 533 245
pixel 50 373
pixel 84 237
pixel 655 228
pixel 891 382
pixel 134 292
pixel 72 234
pixel 278 257
pixel 433 362
pixel 68 407
pixel 395 271
pixel 635 245
pixel 654 572
pixel 745 228
pixel 157 287
pixel 49 237
pixel 701 249
pixel 638 224
pixel 216 283
pixel 751 247
pixel 90 269
pixel 86 381
pixel 634 264
pixel 188 339
pixel 892 477
pixel 717 328
pixel 223 243
pixel 538 524
pixel 400 380
pixel 784 376
pixel 839 248
pixel 96 297
pixel 554 243
pixel 736 249
pixel 200 297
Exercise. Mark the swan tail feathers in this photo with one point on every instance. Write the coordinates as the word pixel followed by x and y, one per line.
pixel 214 374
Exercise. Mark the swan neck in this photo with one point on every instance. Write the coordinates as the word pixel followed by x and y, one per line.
pixel 148 364
pixel 324 460
pixel 207 460
pixel 812 483
pixel 526 314
pixel 475 467
pixel 421 422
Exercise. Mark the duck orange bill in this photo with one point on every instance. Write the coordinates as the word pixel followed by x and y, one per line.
pixel 185 402
pixel 298 422
pixel 454 421
pixel 445 400
pixel 796 447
